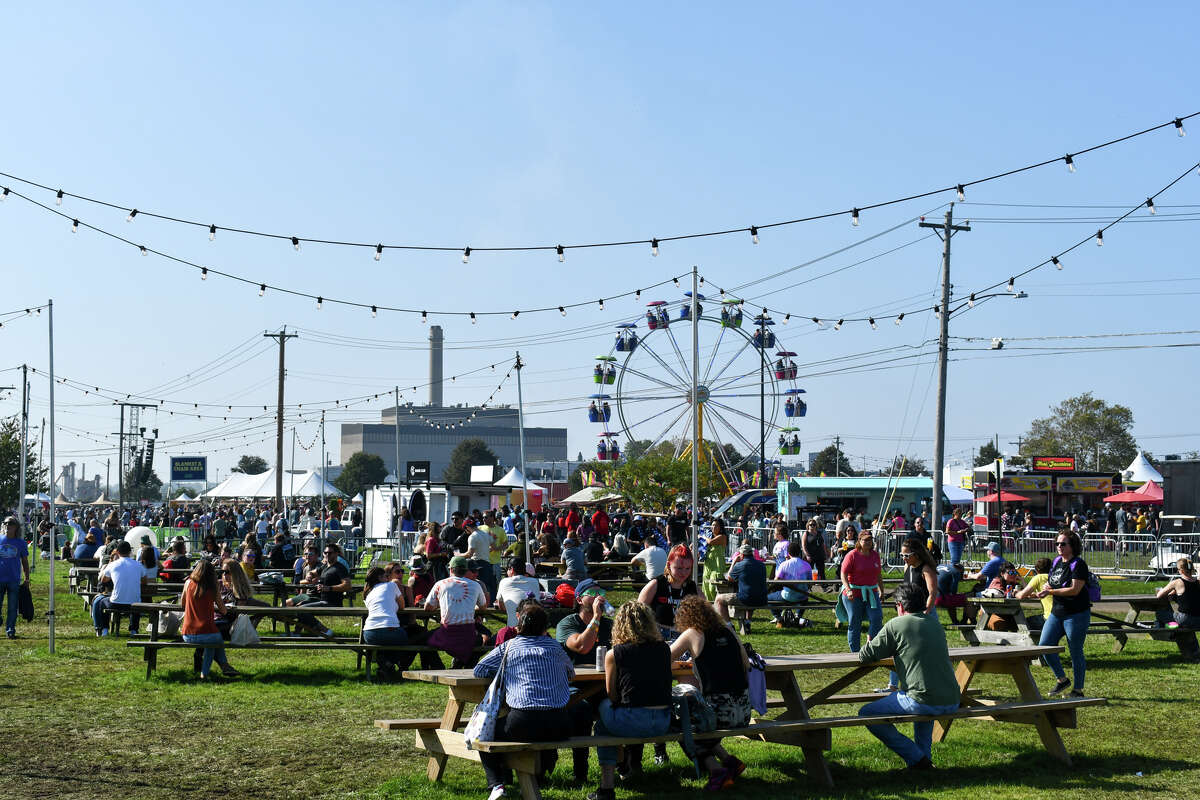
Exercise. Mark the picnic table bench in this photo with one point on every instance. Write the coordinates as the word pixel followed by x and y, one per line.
pixel 794 726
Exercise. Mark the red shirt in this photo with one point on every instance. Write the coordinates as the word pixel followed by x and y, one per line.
pixel 861 569
pixel 573 520
pixel 600 523
pixel 198 611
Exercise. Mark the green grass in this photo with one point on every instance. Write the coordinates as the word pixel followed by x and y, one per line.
pixel 86 723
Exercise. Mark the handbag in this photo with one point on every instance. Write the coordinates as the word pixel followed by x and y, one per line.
pixel 169 622
pixel 482 725
pixel 243 634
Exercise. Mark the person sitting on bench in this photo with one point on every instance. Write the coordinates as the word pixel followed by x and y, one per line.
pixel 332 582
pixel 916 643
pixel 127 576
pixel 1186 590
pixel 793 568
pixel 457 597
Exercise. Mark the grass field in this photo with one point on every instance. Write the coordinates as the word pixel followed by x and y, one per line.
pixel 86 723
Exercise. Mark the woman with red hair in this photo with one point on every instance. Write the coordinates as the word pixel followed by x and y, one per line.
pixel 666 592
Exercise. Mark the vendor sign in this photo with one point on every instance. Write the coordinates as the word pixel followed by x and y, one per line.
pixel 1026 483
pixel 1085 485
pixel 1053 463
pixel 189 468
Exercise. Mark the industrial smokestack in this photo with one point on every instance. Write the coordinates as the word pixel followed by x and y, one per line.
pixel 435 366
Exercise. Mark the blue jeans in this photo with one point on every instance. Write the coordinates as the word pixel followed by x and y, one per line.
pixel 956 549
pixel 100 611
pixel 622 721
pixel 209 651
pixel 11 591
pixel 911 750
pixel 1075 627
pixel 386 636
pixel 858 609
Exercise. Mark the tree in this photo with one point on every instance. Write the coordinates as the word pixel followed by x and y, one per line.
pixel 361 470
pixel 10 463
pixel 655 481
pixel 908 466
pixel 251 465
pixel 469 453
pixel 1099 435
pixel 136 490
pixel 832 461
pixel 987 454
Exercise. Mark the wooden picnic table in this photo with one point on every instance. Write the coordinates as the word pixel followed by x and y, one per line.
pixel 440 738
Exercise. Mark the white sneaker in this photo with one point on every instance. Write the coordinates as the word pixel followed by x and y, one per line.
pixel 497 793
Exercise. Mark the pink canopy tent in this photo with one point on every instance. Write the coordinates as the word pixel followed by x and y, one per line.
pixel 1150 493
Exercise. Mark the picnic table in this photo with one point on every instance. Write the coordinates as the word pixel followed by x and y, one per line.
pixel 794 725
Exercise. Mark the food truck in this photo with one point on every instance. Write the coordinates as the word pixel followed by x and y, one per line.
pixel 1051 487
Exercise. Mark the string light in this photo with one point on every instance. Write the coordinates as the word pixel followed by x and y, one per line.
pixel 676 282
pixel 473 320
pixel 516 314
pixel 378 252
pixel 262 289
pixel 74 226
pixel 561 256
pixel 971 301
pixel 854 217
pixel 838 325
pixel 561 310
pixel 1012 282
pixel 654 247
pixel 1179 127
pixel 204 276
pixel 1070 162
pixel 787 318
pixel 142 247
pixel 899 319
pixel 320 302
pixel 601 302
pixel 212 232
pixel 374 312
pixel 466 255
pixel 871 320
pixel 1150 205
pixel 962 193
pixel 58 198
pixel 816 321
pixel 753 234
pixel 4 196
pixel 132 214
pixel 1054 260
pixel 424 316
pixel 1100 238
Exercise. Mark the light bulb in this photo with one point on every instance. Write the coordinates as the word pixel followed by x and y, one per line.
pixel 854 217
pixel 473 320
pixel 1179 127
pixel 1054 260
pixel 132 214
pixel 145 252
pixel 378 252
pixel 786 318
pixel 838 325
pixel 900 319
pixel 638 294
pixel 374 312
pixel 320 302
pixel 1012 282
pixel 654 247
pixel 754 234
pixel 562 310
pixel 515 314
pixel 676 282
pixel 296 243
pixel 424 316
pixel 1070 162
pixel 1100 238
pixel 601 302
pixel 212 232
pixel 204 276
pixel 466 255
pixel 1150 205
pixel 816 320
pixel 871 320
pixel 262 289
pixel 74 226
pixel 561 256
pixel 962 193
pixel 58 198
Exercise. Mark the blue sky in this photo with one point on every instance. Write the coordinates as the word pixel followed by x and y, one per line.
pixel 538 123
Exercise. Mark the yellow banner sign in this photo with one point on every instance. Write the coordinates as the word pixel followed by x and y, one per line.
pixel 1085 485
pixel 1027 483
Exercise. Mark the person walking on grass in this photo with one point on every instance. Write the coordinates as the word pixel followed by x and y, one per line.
pixel 14 561
pixel 1071 612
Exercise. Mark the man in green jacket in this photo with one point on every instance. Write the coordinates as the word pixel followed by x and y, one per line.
pixel 917 645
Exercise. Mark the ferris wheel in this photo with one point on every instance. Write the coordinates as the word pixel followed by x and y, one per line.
pixel 746 386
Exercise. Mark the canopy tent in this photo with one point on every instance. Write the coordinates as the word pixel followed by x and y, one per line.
pixel 63 501
pixel 102 500
pixel 1152 490
pixel 1141 470
pixel 183 498
pixel 592 495
pixel 1151 494
pixel 358 498
pixel 1002 497
pixel 301 484
pixel 40 497
pixel 957 496
pixel 513 479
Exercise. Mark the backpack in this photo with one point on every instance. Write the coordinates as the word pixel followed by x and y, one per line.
pixel 1093 583
pixel 691 713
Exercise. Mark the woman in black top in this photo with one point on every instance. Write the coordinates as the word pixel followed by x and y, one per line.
pixel 721 664
pixel 813 548
pixel 637 675
pixel 664 594
pixel 1186 590
pixel 1071 613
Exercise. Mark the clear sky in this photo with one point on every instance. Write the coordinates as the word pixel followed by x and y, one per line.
pixel 491 124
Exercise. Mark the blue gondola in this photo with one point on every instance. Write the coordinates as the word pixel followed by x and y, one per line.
pixel 599 412
pixel 794 406
pixel 627 338
pixel 685 310
pixel 764 337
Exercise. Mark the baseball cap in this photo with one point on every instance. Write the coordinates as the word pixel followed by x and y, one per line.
pixel 746 549
pixel 469 521
pixel 589 586
pixel 418 565
pixel 993 547
pixel 11 521
pixel 459 562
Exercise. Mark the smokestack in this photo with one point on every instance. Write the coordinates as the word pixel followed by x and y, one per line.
pixel 435 366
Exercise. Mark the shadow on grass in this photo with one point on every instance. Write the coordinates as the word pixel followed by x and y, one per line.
pixel 285 676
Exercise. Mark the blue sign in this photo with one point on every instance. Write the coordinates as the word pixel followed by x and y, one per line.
pixel 189 468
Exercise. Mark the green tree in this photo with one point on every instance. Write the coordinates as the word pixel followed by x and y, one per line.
pixel 469 453
pixel 361 470
pixel 987 454
pixel 832 461
pixel 251 465
pixel 655 481
pixel 908 466
pixel 1099 435
pixel 637 448
pixel 10 463
pixel 136 490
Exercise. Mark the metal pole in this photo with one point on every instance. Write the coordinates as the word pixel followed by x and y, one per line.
pixel 948 229
pixel 321 513
pixel 24 446
pixel 121 462
pixel 695 410
pixel 292 474
pixel 521 433
pixel 396 425
pixel 762 400
pixel 53 537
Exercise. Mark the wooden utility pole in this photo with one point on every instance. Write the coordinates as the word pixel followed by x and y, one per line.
pixel 282 338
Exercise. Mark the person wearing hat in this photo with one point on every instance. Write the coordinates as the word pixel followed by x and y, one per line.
pixel 750 575
pixel 991 570
pixel 14 559
pixel 574 561
pixel 457 598
pixel 420 580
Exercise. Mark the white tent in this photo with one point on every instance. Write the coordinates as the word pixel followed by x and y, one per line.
pixel 957 496
pixel 40 497
pixel 300 484
pixel 1141 471
pixel 593 494
pixel 513 479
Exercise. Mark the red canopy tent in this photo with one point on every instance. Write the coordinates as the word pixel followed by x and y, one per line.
pixel 1151 494
pixel 1002 497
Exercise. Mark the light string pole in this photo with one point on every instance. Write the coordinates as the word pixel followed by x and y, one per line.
pixel 282 338
pixel 322 511
pixel 945 231
pixel 24 446
pixel 521 433
pixel 53 537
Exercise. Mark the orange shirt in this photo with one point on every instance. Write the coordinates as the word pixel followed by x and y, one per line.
pixel 198 611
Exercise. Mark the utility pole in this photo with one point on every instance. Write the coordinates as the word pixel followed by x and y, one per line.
pixel 945 232
pixel 136 407
pixel 837 456
pixel 282 338
pixel 396 426
pixel 762 400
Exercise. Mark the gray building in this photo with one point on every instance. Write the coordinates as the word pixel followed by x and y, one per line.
pixel 1181 485
pixel 422 440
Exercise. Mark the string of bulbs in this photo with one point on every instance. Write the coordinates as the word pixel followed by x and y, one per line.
pixel 464 420
pixel 377 249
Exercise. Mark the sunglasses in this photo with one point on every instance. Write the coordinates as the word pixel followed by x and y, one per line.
pixel 907 555
pixel 1061 544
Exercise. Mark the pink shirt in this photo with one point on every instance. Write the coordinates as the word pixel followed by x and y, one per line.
pixel 861 569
